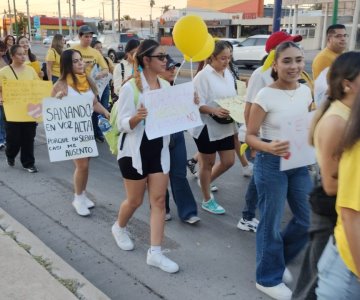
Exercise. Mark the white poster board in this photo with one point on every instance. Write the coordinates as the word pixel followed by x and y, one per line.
pixel 171 110
pixel 296 131
pixel 68 128
pixel 102 82
pixel 321 88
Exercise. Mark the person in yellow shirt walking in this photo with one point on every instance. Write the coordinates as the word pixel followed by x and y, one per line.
pixel 336 44
pixel 339 265
pixel 53 58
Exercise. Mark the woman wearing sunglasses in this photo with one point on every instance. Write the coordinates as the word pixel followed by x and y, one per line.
pixel 143 163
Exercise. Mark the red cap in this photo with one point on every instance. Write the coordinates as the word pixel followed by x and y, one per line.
pixel 279 37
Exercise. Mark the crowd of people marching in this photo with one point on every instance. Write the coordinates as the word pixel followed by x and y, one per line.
pixel 325 207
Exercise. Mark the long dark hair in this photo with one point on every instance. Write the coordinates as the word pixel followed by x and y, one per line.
pixel 146 48
pixel 66 68
pixel 32 56
pixel 57 43
pixel 345 66
pixel 352 132
pixel 8 37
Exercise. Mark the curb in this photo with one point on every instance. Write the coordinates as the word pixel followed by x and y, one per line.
pixel 60 270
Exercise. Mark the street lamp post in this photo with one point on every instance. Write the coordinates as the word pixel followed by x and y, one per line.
pixel 74 16
pixel 28 20
pixel 335 11
pixel 11 29
pixel 277 15
pixel 60 21
pixel 16 23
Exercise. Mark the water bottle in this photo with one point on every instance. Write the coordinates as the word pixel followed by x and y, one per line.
pixel 104 124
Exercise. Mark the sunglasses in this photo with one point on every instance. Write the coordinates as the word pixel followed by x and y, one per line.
pixel 160 57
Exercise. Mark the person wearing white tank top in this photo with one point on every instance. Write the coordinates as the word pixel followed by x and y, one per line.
pixel 72 82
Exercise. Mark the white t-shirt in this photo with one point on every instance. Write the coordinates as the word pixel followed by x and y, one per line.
pixel 118 74
pixel 278 104
pixel 210 86
pixel 321 87
pixel 257 81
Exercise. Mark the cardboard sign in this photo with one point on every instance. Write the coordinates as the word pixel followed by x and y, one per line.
pixel 102 82
pixel 235 105
pixel 68 128
pixel 296 131
pixel 171 110
pixel 23 98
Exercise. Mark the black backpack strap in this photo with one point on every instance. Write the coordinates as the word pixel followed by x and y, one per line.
pixel 122 71
pixel 13 72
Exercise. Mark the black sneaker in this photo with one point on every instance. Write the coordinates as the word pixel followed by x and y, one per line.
pixel 191 164
pixel 10 162
pixel 32 169
pixel 100 139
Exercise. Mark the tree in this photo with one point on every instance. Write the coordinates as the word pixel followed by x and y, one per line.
pixel 126 17
pixel 317 6
pixel 22 24
pixel 166 8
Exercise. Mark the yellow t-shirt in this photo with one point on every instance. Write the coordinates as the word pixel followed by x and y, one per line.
pixel 35 65
pixel 322 60
pixel 336 108
pixel 91 57
pixel 53 56
pixel 348 196
pixel 27 74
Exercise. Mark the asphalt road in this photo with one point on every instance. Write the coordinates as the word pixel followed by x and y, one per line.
pixel 217 260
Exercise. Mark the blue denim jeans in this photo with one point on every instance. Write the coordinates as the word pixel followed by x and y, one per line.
pixel 105 102
pixel 181 191
pixel 2 125
pixel 251 197
pixel 275 248
pixel 336 281
pixel 54 79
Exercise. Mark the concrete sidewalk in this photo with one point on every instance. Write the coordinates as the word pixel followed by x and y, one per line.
pixel 30 270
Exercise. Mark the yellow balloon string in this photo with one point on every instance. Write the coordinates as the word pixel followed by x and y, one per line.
pixel 269 61
pixel 243 148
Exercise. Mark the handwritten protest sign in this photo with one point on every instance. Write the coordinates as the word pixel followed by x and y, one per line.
pixel 68 128
pixel 171 110
pixel 241 88
pixel 101 83
pixel 235 105
pixel 296 131
pixel 22 99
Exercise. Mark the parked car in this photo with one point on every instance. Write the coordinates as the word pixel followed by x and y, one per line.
pixel 251 51
pixel 233 42
pixel 75 40
pixel 48 40
pixel 114 44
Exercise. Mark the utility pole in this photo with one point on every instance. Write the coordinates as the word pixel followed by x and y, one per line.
pixel 103 10
pixel 60 21
pixel 70 19
pixel 112 17
pixel 335 11
pixel 277 16
pixel 16 23
pixel 119 27
pixel 28 20
pixel 354 26
pixel 74 16
pixel 11 29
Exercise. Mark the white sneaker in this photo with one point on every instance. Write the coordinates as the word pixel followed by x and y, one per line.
pixel 192 220
pixel 256 221
pixel 278 292
pixel 168 217
pixel 248 170
pixel 90 204
pixel 122 238
pixel 160 261
pixel 80 206
pixel 247 225
pixel 287 277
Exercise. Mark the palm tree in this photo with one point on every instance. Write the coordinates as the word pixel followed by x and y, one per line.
pixel 152 3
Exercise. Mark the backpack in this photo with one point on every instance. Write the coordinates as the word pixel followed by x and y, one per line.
pixel 113 134
pixel 44 68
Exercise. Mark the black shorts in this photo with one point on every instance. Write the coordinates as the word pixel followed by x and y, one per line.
pixel 150 151
pixel 205 146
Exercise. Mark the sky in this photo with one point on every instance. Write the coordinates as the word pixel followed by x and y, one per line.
pixel 93 8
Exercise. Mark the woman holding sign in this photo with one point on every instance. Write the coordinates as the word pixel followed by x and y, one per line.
pixel 143 163
pixel 283 98
pixel 73 82
pixel 217 134
pixel 20 136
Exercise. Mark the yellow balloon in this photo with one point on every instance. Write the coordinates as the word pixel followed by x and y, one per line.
pixel 243 148
pixel 205 52
pixel 190 34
